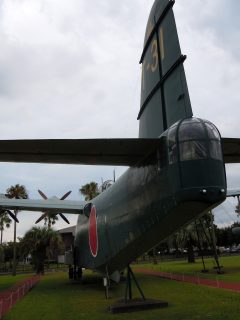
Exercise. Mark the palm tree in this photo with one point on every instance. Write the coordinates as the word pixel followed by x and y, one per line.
pixel 195 234
pixel 18 192
pixel 50 220
pixel 5 221
pixel 89 190
pixel 188 237
pixel 41 243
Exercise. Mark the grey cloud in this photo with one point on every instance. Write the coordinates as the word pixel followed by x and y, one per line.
pixel 220 18
pixel 71 71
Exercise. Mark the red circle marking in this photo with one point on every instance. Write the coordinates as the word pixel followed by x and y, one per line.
pixel 92 232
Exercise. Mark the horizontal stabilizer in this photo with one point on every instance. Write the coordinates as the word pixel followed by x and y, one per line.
pixel 53 205
pixel 117 152
pixel 231 150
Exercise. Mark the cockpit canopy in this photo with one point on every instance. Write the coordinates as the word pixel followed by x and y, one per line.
pixel 193 139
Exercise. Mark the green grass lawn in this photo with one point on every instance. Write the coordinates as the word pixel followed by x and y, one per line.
pixel 9 280
pixel 55 297
pixel 231 268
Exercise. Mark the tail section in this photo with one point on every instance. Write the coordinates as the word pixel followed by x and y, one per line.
pixel 164 92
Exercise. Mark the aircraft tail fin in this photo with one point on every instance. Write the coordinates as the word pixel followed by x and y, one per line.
pixel 164 92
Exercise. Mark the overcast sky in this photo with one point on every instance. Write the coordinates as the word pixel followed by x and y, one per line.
pixel 69 69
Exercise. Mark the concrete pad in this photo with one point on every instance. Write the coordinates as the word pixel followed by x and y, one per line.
pixel 137 305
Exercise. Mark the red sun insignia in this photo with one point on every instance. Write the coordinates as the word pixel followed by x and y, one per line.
pixel 92 232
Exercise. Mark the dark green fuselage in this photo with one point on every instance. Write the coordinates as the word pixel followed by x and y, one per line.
pixel 183 178
pixel 150 202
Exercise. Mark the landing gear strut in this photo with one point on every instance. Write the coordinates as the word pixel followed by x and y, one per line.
pixel 128 291
pixel 74 272
pixel 128 304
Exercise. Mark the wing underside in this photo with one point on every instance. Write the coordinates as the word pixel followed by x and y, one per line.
pixel 117 152
pixel 233 192
pixel 231 150
pixel 53 205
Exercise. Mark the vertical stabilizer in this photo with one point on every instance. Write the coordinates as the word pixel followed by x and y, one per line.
pixel 164 92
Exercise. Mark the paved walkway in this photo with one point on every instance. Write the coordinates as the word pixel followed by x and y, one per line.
pixel 216 283
pixel 10 296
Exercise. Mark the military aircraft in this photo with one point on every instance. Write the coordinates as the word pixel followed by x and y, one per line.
pixel 176 165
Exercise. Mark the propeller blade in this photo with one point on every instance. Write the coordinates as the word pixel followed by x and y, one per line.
pixel 66 195
pixel 42 217
pixel 64 218
pixel 45 214
pixel 42 194
pixel 12 215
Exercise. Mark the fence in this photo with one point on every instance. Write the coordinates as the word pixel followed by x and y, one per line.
pixel 197 278
pixel 10 297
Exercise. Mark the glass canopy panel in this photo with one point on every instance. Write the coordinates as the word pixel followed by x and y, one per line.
pixel 215 150
pixel 190 120
pixel 193 150
pixel 172 146
pixel 191 131
pixel 172 136
pixel 212 131
pixel 162 156
pixel 172 154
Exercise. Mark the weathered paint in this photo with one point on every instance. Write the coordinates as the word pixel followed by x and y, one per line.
pixel 147 204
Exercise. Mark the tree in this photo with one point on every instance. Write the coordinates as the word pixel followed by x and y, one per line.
pixel 41 243
pixel 8 248
pixel 1 254
pixel 50 220
pixel 195 234
pixel 226 238
pixel 18 192
pixel 237 210
pixel 5 221
pixel 187 238
pixel 89 190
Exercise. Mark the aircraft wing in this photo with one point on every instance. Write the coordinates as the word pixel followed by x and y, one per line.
pixel 231 150
pixel 233 193
pixel 54 205
pixel 117 152
pixel 231 154
pixel 122 152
